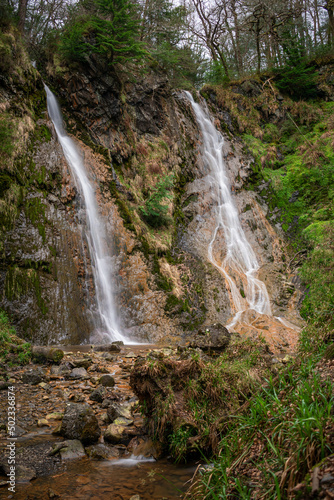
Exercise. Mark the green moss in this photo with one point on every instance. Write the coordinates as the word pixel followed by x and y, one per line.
pixel 35 211
pixel 20 282
pixel 123 208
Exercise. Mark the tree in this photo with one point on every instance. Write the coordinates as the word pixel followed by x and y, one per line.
pixel 105 27
pixel 154 212
pixel 210 28
pixel 22 14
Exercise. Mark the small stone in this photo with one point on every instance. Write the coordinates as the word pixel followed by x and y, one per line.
pixel 45 386
pixel 135 497
pixel 123 421
pixel 106 403
pixel 327 478
pixel 104 417
pixel 98 394
pixel 78 373
pixel 107 356
pixel 114 433
pixel 82 363
pixel 107 380
pixel 42 423
pixel 94 380
pixel 53 494
pixel 116 410
pixel 131 355
pixel 3 386
pixel 54 416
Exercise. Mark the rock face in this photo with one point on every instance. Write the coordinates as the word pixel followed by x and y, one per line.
pixel 131 135
pixel 79 422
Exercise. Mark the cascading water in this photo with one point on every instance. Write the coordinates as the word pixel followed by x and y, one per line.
pixel 95 233
pixel 240 260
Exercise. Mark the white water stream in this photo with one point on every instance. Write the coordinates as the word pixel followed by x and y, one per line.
pixel 95 233
pixel 240 258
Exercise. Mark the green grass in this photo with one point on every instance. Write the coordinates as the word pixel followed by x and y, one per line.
pixel 270 446
pixel 13 350
pixel 187 400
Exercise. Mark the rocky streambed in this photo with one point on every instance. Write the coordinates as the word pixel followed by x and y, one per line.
pixel 79 432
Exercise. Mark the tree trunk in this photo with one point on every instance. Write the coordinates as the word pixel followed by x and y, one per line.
pixel 22 15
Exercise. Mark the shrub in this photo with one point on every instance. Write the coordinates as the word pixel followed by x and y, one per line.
pixel 154 212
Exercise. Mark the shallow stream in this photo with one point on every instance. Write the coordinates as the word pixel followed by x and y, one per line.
pixel 111 479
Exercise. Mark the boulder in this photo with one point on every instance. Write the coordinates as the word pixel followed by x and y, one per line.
pixel 102 451
pixel 213 339
pixel 44 354
pixel 99 394
pixel 115 410
pixel 79 422
pixel 69 450
pixel 114 433
pixel 107 380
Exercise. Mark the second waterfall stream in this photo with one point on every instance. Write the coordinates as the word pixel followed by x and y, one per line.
pixel 240 261
pixel 107 318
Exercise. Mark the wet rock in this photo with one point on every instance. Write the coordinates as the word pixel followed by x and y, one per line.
pixel 108 357
pixel 104 418
pixel 19 431
pixel 116 410
pixel 78 373
pixel 69 450
pixel 102 452
pixel 123 421
pixel 327 479
pixel 98 394
pixel 42 354
pixel 42 423
pixel 44 386
pixel 107 348
pixel 107 380
pixel 55 416
pixel 63 369
pixel 79 422
pixel 82 363
pixel 53 494
pixel 145 448
pixel 33 376
pixel 24 474
pixel 114 433
pixel 212 339
pixel 106 403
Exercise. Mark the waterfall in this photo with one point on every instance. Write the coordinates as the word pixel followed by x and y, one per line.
pixel 240 259
pixel 95 230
